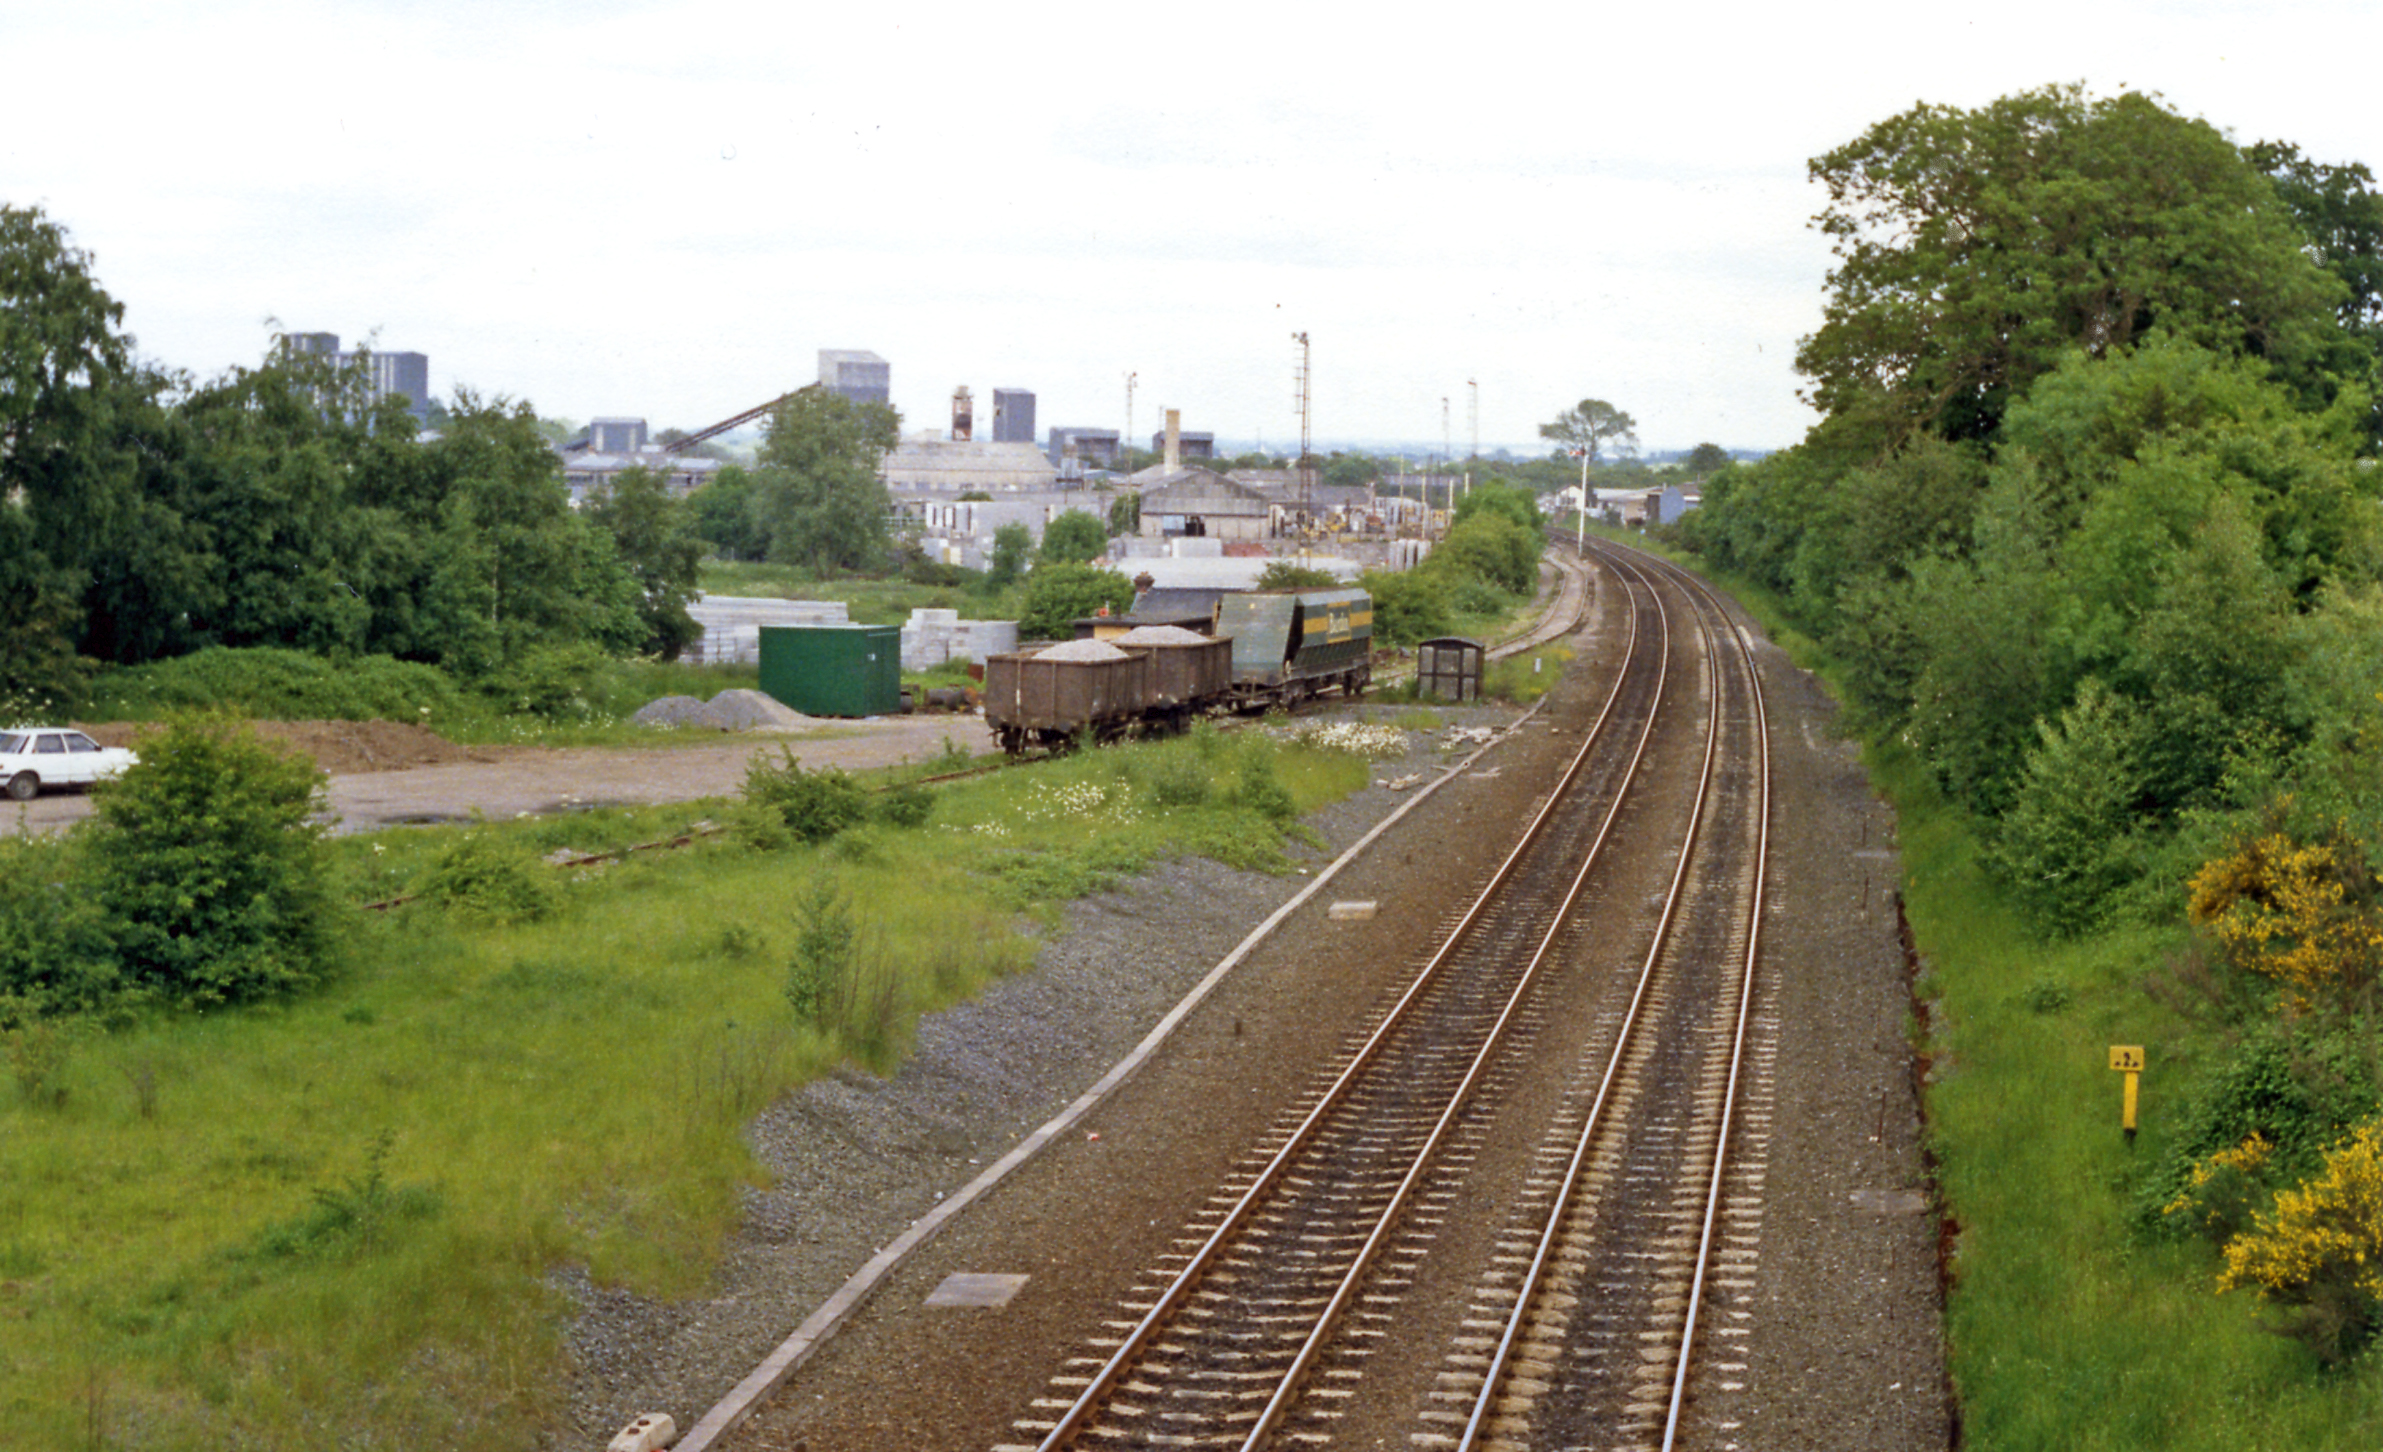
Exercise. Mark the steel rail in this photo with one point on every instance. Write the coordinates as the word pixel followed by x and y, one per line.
pixel 1328 1320
pixel 1551 1233
pixel 1104 1382
pixel 1737 1052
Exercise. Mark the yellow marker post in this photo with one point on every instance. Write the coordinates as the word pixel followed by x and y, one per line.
pixel 2127 1059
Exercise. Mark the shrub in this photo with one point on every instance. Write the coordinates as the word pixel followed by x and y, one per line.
pixel 1059 595
pixel 270 683
pixel 2064 846
pixel 826 944
pixel 56 953
pixel 2320 1254
pixel 1262 792
pixel 209 865
pixel 906 805
pixel 552 682
pixel 1408 607
pixel 813 805
pixel 485 876
pixel 2303 913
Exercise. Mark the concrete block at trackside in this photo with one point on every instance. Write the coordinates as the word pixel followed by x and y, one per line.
pixel 1351 912
pixel 654 1429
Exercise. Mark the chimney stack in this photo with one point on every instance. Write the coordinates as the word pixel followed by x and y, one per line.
pixel 1174 456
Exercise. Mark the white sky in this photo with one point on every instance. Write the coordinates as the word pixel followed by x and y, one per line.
pixel 666 210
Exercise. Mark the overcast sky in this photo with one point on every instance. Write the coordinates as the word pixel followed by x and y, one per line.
pixel 667 210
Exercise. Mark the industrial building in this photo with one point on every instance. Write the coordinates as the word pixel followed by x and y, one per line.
pixel 860 376
pixel 404 374
pixel 1013 416
pixel 1090 448
pixel 610 447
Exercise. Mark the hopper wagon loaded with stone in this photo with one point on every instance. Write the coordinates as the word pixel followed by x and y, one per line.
pixel 1271 648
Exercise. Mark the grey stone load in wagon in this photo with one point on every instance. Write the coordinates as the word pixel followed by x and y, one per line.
pixel 1160 635
pixel 1081 650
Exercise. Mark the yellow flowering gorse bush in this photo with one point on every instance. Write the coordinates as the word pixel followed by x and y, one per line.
pixel 2321 1250
pixel 2302 913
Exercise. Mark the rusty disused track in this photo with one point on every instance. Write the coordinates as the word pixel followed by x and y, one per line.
pixel 1293 1277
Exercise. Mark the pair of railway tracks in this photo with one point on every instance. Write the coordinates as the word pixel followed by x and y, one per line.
pixel 1590 1095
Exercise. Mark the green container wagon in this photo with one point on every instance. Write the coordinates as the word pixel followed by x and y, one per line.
pixel 833 670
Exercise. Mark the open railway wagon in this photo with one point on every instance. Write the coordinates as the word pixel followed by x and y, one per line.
pixel 1289 645
pixel 1046 699
pixel 1281 648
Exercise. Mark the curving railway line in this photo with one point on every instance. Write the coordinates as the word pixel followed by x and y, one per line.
pixel 1505 1215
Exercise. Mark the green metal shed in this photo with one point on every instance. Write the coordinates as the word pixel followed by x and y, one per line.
pixel 833 670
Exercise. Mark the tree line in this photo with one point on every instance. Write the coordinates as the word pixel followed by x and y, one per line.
pixel 2091 521
pixel 144 514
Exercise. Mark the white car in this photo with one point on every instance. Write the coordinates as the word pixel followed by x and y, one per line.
pixel 32 757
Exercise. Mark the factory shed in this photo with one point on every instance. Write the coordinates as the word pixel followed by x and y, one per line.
pixel 948 467
pixel 1202 504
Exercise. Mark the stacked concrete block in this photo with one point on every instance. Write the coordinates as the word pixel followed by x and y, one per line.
pixel 933 637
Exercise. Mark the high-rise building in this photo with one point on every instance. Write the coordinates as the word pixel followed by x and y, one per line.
pixel 401 373
pixel 1013 416
pixel 860 376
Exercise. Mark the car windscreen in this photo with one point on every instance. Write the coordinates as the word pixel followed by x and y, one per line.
pixel 14 742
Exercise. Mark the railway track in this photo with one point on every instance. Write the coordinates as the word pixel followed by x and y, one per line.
pixel 1570 1057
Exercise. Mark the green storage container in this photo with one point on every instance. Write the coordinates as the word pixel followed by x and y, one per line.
pixel 833 670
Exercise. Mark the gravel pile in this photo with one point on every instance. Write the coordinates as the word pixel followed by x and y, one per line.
pixel 1081 650
pixel 728 711
pixel 751 711
pixel 855 1159
pixel 675 711
pixel 1162 635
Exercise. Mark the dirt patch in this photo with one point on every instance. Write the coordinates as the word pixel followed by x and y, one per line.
pixel 338 747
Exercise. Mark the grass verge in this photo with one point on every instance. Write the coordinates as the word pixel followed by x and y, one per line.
pixel 337 1220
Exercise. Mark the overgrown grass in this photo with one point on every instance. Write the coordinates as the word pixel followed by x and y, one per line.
pixel 336 1220
pixel 2067 1327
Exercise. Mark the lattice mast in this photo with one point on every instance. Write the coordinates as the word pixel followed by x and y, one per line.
pixel 1307 456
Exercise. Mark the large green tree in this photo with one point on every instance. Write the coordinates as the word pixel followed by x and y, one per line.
pixel 817 489
pixel 1591 428
pixel 651 536
pixel 1075 537
pixel 1975 247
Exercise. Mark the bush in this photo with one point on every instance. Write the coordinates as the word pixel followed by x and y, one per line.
pixel 2064 846
pixel 56 953
pixel 552 682
pixel 826 946
pixel 274 684
pixel 1262 792
pixel 1408 607
pixel 1074 538
pixel 906 805
pixel 207 860
pixel 813 805
pixel 1059 595
pixel 485 876
pixel 2320 1254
